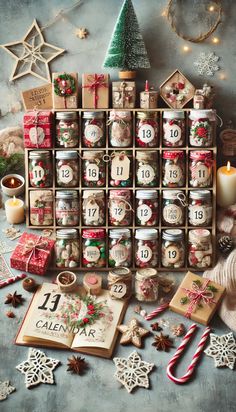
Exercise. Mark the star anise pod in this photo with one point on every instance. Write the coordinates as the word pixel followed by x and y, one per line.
pixel 10 314
pixel 76 364
pixel 155 327
pixel 14 300
pixel 162 342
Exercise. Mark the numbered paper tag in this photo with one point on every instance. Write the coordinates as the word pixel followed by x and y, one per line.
pixel 144 254
pixel 145 174
pixel 172 214
pixel 65 174
pixel 118 290
pixel 91 212
pixel 93 133
pixel 173 174
pixel 119 254
pixel 92 172
pixel 201 173
pixel 120 166
pixel 144 213
pixel 197 215
pixel 36 135
pixel 172 254
pixel 118 211
pixel 146 133
pixel 38 173
pixel 91 253
pixel 172 132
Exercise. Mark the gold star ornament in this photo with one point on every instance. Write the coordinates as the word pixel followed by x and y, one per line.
pixel 132 333
pixel 32 54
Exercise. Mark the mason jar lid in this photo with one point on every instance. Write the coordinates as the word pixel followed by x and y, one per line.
pixel 202 114
pixel 200 154
pixel 146 194
pixel 147 273
pixel 121 193
pixel 173 114
pixel 120 115
pixel 93 193
pixel 63 155
pixel 67 234
pixel 199 235
pixel 67 194
pixel 173 235
pixel 199 194
pixel 66 115
pixel 121 271
pixel 119 233
pixel 171 194
pixel 92 115
pixel 147 155
pixel 146 234
pixel 39 154
pixel 91 155
pixel 93 234
pixel 146 115
pixel 173 154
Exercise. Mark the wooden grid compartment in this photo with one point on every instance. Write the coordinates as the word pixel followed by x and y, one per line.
pixel 133 188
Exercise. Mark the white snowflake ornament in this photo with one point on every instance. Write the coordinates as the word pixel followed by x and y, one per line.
pixel 37 368
pixel 222 349
pixel 206 64
pixel 132 372
pixel 5 390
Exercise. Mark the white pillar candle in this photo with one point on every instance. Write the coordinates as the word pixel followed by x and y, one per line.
pixel 15 210
pixel 226 186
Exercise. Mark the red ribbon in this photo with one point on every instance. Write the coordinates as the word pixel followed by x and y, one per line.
pixel 147 285
pixel 31 247
pixel 95 82
pixel 198 294
pixel 41 211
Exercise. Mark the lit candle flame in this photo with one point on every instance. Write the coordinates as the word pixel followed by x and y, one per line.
pixel 14 200
pixel 12 181
pixel 228 166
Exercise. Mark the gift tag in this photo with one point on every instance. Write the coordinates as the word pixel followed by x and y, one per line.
pixel 38 174
pixel 144 213
pixel 118 290
pixel 119 253
pixel 173 174
pixel 172 133
pixel 91 253
pixel 145 174
pixel 120 166
pixel 65 174
pixel 118 211
pixel 197 215
pixel 92 172
pixel 36 135
pixel 144 254
pixel 172 214
pixel 93 133
pixel 91 211
pixel 172 254
pixel 146 133
pixel 201 173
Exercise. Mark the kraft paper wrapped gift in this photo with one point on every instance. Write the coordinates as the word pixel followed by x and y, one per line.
pixel 65 90
pixel 95 91
pixel 197 298
pixel 123 95
pixel 38 129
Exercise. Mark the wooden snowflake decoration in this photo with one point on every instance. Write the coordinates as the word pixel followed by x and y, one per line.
pixel 5 390
pixel 132 372
pixel 222 349
pixel 38 368
pixel 206 64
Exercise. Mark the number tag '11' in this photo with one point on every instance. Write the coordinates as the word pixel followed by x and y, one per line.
pixel 120 166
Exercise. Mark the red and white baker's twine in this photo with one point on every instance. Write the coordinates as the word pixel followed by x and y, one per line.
pixel 12 280
pixel 158 310
pixel 195 358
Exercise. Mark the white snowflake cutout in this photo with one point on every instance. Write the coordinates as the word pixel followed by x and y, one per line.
pixel 222 349
pixel 37 368
pixel 5 390
pixel 206 64
pixel 132 372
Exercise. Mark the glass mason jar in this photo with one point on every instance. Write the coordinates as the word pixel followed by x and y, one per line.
pixel 200 208
pixel 173 168
pixel 200 168
pixel 200 248
pixel 93 169
pixel 173 248
pixel 146 207
pixel 146 285
pixel 120 208
pixel 120 248
pixel 67 129
pixel 120 169
pixel 202 125
pixel 146 129
pixel 93 208
pixel 119 283
pixel 67 168
pixel 94 248
pixel 146 248
pixel 147 168
pixel 40 169
pixel 173 207
pixel 67 248
pixel 120 128
pixel 67 208
pixel 173 128
pixel 41 207
pixel 93 129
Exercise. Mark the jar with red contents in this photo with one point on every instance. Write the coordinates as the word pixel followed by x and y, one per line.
pixel 67 129
pixel 93 129
pixel 202 127
pixel 94 248
pixel 40 169
pixel 67 168
pixel 120 208
pixel 200 248
pixel 173 168
pixel 146 248
pixel 94 169
pixel 147 129
pixel 146 208
pixel 200 168
pixel 173 128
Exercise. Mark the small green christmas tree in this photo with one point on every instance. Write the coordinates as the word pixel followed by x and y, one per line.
pixel 127 50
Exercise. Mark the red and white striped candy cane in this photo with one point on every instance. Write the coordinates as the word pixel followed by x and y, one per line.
pixel 195 358
pixel 12 279
pixel 158 310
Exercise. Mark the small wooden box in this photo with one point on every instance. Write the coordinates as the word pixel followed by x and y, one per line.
pixel 123 95
pixel 95 91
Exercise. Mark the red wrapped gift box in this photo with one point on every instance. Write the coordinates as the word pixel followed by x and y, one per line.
pixel 32 254
pixel 38 129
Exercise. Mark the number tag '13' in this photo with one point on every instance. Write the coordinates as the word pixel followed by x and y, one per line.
pixel 120 166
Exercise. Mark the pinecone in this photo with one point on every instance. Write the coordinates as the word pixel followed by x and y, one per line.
pixel 225 245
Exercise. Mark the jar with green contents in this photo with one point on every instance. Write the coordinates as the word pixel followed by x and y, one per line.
pixel 146 168
pixel 67 168
pixel 93 169
pixel 40 169
pixel 67 248
pixel 120 248
pixel 67 129
pixel 94 248
pixel 120 169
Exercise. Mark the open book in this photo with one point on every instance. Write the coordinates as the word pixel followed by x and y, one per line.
pixel 74 321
